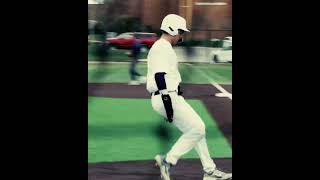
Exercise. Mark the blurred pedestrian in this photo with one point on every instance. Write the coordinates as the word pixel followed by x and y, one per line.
pixel 135 77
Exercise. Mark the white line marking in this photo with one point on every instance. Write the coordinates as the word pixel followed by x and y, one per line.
pixel 223 93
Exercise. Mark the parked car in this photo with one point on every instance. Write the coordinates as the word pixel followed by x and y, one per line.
pixel 126 40
pixel 227 41
pixel 222 55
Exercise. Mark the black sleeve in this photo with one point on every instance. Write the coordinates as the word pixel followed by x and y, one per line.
pixel 161 83
pixel 160 80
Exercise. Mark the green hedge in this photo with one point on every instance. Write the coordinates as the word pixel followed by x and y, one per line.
pixel 206 43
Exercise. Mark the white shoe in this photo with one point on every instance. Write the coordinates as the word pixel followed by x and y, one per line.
pixel 143 79
pixel 134 83
pixel 217 175
pixel 164 167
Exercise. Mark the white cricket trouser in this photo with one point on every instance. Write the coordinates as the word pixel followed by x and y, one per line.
pixel 192 127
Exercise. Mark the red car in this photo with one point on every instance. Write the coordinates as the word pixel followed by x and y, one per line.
pixel 125 40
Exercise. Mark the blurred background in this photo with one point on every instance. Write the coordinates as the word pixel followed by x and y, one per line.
pixel 114 24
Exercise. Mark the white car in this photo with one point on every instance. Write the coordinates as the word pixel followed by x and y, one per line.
pixel 223 55
pixel 227 41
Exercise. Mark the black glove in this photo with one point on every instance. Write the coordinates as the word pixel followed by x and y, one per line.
pixel 168 106
pixel 179 91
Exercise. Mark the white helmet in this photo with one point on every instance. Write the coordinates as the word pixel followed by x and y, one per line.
pixel 172 22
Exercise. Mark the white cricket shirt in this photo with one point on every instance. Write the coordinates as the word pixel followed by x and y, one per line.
pixel 162 58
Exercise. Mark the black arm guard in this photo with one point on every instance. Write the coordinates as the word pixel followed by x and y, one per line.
pixel 160 80
pixel 161 83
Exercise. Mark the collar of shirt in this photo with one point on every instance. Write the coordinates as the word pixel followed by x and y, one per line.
pixel 164 41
